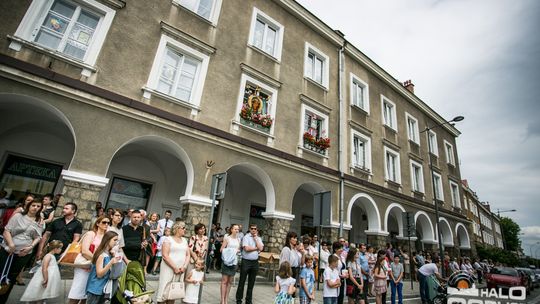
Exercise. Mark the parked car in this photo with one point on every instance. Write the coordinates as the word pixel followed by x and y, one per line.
pixel 532 277
pixel 537 274
pixel 506 277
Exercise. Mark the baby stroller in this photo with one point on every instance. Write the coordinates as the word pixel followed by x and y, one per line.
pixel 458 282
pixel 132 286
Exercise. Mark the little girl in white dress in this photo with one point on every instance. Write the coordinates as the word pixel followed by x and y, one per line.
pixel 194 280
pixel 46 283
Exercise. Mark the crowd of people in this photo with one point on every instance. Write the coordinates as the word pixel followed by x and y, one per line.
pixel 34 239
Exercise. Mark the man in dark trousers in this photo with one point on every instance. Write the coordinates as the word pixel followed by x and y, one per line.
pixel 252 244
pixel 66 229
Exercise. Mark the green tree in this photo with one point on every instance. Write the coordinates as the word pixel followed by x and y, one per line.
pixel 510 230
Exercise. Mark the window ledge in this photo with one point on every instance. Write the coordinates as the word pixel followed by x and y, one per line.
pixel 433 154
pixel 325 156
pixel 393 183
pixel 389 128
pixel 17 43
pixel 258 50
pixel 359 109
pixel 452 166
pixel 148 92
pixel 361 169
pixel 209 22
pixel 414 143
pixel 237 123
pixel 321 86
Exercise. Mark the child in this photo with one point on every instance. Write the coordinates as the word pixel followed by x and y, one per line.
pixel 331 281
pixel 396 283
pixel 102 262
pixel 284 284
pixel 307 280
pixel 46 283
pixel 166 234
pixel 194 280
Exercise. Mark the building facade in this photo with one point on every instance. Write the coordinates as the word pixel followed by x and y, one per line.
pixel 137 104
pixel 485 224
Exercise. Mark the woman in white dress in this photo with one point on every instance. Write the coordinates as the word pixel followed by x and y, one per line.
pixel 229 247
pixel 175 252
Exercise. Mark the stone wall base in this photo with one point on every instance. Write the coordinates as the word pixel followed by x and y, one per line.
pixel 85 197
pixel 275 233
pixel 192 214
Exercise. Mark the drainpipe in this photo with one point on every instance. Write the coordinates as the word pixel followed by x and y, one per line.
pixel 340 141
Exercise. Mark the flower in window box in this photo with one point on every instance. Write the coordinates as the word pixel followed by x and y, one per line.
pixel 308 138
pixel 323 143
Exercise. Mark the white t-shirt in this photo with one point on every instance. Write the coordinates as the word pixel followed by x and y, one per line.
pixel 330 275
pixel 429 269
pixel 285 283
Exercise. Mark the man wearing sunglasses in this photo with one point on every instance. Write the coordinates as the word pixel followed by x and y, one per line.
pixel 252 244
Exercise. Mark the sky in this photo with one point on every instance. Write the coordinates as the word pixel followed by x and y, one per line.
pixel 476 58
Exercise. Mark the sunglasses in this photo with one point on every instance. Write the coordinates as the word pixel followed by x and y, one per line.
pixel 105 222
pixel 253 228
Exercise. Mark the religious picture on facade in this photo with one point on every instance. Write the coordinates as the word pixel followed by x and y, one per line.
pixel 127 194
pixel 255 110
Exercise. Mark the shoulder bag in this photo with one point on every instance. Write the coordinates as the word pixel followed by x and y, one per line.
pixel 4 280
pixel 73 255
pixel 174 290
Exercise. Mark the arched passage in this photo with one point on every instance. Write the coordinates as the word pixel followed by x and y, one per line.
pixel 33 134
pixel 463 236
pixel 446 232
pixel 393 219
pixel 424 229
pixel 249 193
pixel 302 208
pixel 364 217
pixel 148 172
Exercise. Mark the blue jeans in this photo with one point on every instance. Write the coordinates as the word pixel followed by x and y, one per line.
pixel 399 287
pixel 328 300
pixel 424 292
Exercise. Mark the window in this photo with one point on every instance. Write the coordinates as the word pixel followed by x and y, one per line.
pixel 266 34
pixel 256 107
pixel 361 151
pixel 437 180
pixel 359 93
pixel 66 28
pixel 389 113
pixel 432 142
pixel 412 128
pixel 449 149
pixel 316 65
pixel 314 129
pixel 454 190
pixel 417 177
pixel 178 73
pixel 392 170
pixel 208 9
pixel 128 194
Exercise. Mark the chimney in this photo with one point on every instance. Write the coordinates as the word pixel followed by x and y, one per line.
pixel 409 85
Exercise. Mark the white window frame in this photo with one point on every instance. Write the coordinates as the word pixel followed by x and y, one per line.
pixel 153 79
pixel 456 201
pixel 325 65
pixel 367 148
pixel 438 186
pixel 324 116
pixel 37 11
pixel 433 146
pixel 413 135
pixel 271 91
pixel 214 12
pixel 269 21
pixel 397 162
pixel 450 155
pixel 421 187
pixel 393 116
pixel 357 82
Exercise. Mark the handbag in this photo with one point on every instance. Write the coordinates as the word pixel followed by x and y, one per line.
pixel 174 290
pixel 73 255
pixel 4 280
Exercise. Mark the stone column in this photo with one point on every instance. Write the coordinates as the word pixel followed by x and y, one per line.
pixel 278 225
pixel 331 235
pixel 196 210
pixel 377 240
pixel 83 190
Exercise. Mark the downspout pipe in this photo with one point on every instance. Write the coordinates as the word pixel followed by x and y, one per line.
pixel 341 142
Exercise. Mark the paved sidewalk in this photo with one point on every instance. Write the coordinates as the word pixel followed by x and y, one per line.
pixel 263 291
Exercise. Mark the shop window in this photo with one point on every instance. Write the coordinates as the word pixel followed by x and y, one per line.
pixel 128 194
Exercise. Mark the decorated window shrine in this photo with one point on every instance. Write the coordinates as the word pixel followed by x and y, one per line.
pixel 256 109
pixel 314 133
